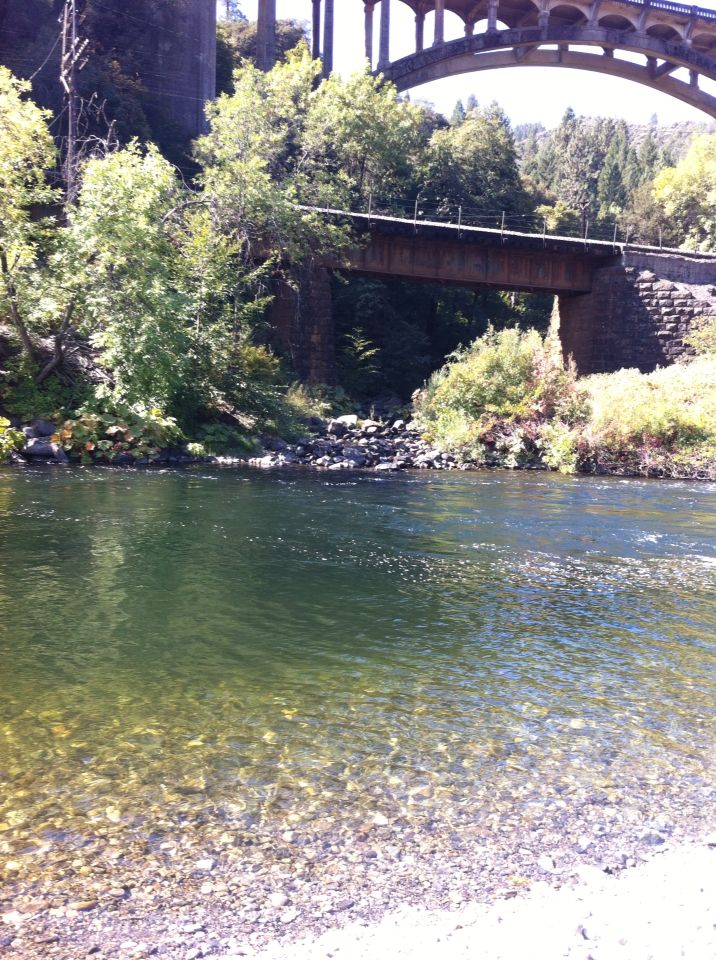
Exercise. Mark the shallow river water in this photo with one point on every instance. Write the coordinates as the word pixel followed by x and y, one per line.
pixel 299 677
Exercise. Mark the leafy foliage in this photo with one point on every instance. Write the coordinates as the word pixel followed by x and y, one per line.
pixel 474 164
pixel 26 399
pixel 26 152
pixel 237 43
pixel 10 439
pixel 121 429
pixel 509 400
pixel 687 194
pixel 703 337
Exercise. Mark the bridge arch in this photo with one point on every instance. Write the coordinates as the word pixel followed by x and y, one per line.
pixel 644 42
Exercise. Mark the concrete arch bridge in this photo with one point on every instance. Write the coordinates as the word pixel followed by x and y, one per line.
pixel 646 42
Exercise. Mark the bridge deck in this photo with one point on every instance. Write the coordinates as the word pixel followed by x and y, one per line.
pixel 437 229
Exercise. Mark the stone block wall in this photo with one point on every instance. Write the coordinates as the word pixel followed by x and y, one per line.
pixel 640 309
pixel 301 321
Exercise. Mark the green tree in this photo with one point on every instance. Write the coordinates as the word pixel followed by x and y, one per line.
pixel 475 165
pixel 612 191
pixel 687 194
pixel 236 42
pixel 458 114
pixel 360 138
pixel 26 153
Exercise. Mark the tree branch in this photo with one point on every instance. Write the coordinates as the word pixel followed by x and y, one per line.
pixel 16 317
pixel 58 352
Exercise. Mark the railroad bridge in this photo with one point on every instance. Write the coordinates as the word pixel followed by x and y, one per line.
pixel 664 45
pixel 616 305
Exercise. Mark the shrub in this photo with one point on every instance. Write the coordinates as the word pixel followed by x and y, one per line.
pixel 219 438
pixel 675 406
pixel 703 337
pixel 510 400
pixel 103 436
pixel 10 439
pixel 490 402
pixel 26 399
pixel 560 446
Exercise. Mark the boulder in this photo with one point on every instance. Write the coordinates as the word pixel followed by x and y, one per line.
pixel 37 449
pixel 43 428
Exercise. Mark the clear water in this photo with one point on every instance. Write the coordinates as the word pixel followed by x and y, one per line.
pixel 213 650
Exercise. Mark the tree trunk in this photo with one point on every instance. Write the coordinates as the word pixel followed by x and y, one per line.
pixel 58 351
pixel 15 315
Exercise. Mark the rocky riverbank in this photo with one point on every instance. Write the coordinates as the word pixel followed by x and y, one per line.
pixel 347 443
pixel 653 901
pixel 342 443
pixel 660 910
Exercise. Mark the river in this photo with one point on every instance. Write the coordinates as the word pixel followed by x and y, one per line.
pixel 236 682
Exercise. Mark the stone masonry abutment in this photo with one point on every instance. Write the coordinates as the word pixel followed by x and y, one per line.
pixel 638 312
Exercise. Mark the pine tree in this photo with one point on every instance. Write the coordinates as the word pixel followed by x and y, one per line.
pixel 458 114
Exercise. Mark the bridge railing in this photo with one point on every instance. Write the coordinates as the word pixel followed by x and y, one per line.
pixel 621 231
pixel 669 6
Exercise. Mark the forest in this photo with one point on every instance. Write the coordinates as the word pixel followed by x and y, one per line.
pixel 146 296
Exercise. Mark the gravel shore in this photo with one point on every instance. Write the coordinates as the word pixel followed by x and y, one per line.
pixel 660 910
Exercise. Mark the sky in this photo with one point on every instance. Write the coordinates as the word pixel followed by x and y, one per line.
pixel 527 94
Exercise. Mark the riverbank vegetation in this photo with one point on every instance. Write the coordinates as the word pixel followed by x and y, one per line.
pixel 143 299
pixel 510 400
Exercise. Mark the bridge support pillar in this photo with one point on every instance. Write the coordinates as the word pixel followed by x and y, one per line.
pixel 419 31
pixel 369 8
pixel 328 39
pixel 637 314
pixel 492 16
pixel 384 52
pixel 302 324
pixel 266 35
pixel 439 22
pixel 316 31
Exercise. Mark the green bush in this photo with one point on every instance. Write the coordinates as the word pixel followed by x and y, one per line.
pixel 510 400
pixel 703 337
pixel 675 406
pixel 103 436
pixel 10 440
pixel 490 402
pixel 219 438
pixel 52 399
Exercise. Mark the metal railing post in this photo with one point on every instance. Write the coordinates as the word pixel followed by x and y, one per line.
pixel 502 226
pixel 459 221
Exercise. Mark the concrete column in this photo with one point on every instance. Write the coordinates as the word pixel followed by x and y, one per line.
pixel 207 62
pixel 419 31
pixel 266 35
pixel 316 31
pixel 384 53
pixel 469 29
pixel 328 38
pixel 439 22
pixel 369 8
pixel 492 16
pixel 543 19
